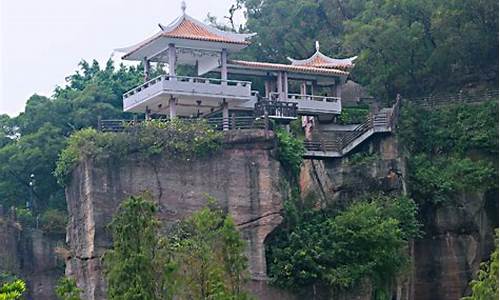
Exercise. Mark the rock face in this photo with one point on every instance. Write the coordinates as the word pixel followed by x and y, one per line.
pixel 458 235
pixel 29 254
pixel 244 178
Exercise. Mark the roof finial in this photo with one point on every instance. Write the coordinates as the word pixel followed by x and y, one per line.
pixel 183 7
pixel 317 45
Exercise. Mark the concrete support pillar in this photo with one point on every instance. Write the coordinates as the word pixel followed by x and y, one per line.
pixel 147 69
pixel 279 84
pixel 147 114
pixel 338 88
pixel 267 88
pixel 225 115
pixel 285 86
pixel 314 87
pixel 223 67
pixel 172 59
pixel 303 88
pixel 173 107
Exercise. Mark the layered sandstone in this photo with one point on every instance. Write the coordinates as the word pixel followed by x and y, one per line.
pixel 244 178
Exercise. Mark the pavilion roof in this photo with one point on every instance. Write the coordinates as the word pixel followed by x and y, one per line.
pixel 186 27
pixel 319 60
pixel 289 68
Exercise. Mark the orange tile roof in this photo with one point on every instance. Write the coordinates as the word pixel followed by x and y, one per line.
pixel 290 68
pixel 189 30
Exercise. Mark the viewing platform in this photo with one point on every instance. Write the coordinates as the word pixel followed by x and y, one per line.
pixel 208 91
pixel 312 104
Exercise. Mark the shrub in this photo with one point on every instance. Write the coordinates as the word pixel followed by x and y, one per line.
pixel 290 151
pixel 54 221
pixel 67 289
pixel 353 115
pixel 176 139
pixel 339 250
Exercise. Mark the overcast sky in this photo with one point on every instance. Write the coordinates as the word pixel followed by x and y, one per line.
pixel 41 42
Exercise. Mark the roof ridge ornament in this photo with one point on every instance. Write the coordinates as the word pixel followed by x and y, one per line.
pixel 183 7
pixel 317 46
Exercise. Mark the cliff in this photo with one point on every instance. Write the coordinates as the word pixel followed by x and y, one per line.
pixel 247 180
pixel 457 235
pixel 244 177
pixel 29 254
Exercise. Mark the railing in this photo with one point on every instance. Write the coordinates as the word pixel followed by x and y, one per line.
pixel 276 109
pixel 292 97
pixel 460 97
pixel 385 120
pixel 231 123
pixel 202 80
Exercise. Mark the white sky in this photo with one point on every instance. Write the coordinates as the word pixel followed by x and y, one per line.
pixel 42 41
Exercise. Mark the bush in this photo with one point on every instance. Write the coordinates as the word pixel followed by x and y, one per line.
pixel 67 289
pixel 175 138
pixel 353 115
pixel 452 149
pixel 54 221
pixel 367 240
pixel 12 290
pixel 290 151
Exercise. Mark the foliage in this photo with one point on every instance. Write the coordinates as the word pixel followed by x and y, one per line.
pixel 290 151
pixel 201 258
pixel 437 180
pixel 459 128
pixel 485 287
pixel 451 149
pixel 353 115
pixel 403 46
pixel 67 289
pixel 175 138
pixel 12 290
pixel 210 255
pixel 134 267
pixel 54 221
pixel 367 240
pixel 362 158
pixel 30 142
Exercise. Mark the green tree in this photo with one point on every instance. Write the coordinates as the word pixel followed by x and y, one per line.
pixel 340 249
pixel 67 289
pixel 12 290
pixel 209 252
pixel 134 267
pixel 485 286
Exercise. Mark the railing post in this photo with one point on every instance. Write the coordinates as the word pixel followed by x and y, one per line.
pixel 99 128
pixel 266 120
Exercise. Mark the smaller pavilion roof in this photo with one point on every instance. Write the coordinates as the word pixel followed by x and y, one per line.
pixel 288 68
pixel 319 60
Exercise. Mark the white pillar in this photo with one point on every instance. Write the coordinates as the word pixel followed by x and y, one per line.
pixel 279 84
pixel 172 105
pixel 267 87
pixel 223 67
pixel 303 88
pixel 313 87
pixel 285 86
pixel 171 59
pixel 225 115
pixel 338 88
pixel 147 68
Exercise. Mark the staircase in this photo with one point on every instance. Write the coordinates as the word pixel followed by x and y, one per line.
pixel 337 146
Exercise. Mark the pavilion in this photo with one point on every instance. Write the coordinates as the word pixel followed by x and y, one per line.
pixel 186 41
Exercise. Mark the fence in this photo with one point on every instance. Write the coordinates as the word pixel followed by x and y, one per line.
pixel 231 123
pixel 456 98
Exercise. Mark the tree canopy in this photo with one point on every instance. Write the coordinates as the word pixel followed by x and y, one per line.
pixel 410 47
